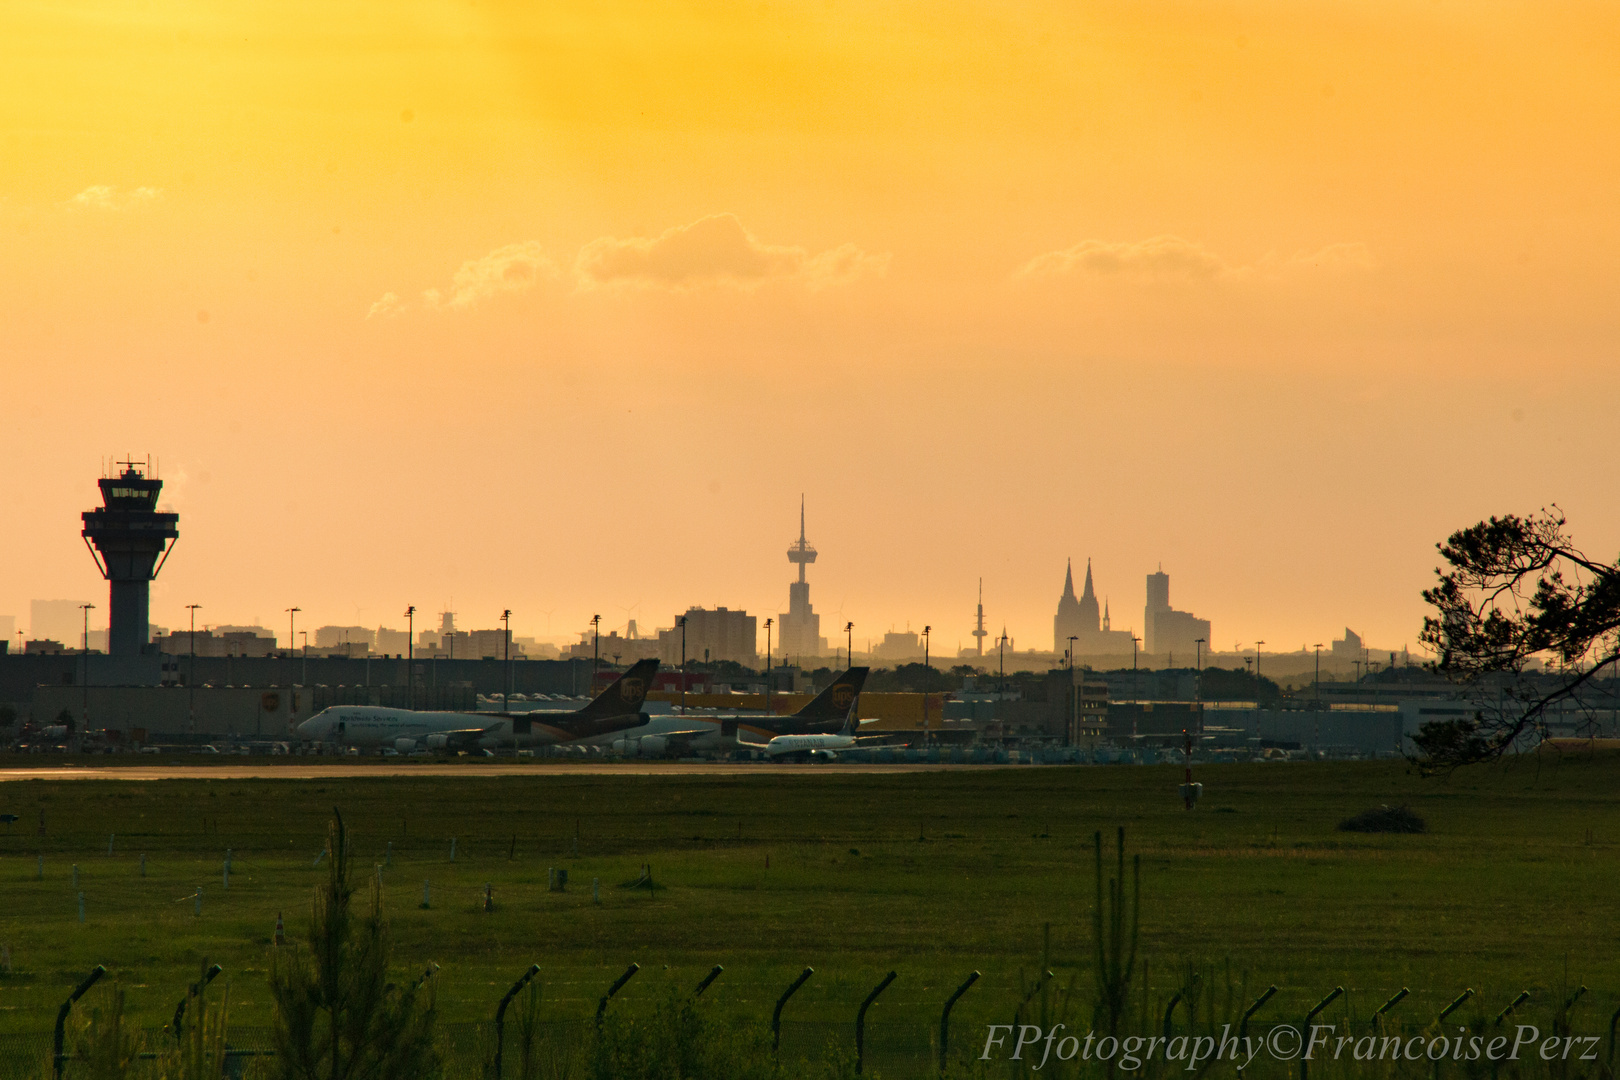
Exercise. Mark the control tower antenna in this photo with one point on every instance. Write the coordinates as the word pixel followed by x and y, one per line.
pixel 125 537
pixel 979 632
pixel 801 552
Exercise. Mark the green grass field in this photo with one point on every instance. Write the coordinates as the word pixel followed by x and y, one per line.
pixel 930 874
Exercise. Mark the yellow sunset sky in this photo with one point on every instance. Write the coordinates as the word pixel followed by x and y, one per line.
pixel 559 307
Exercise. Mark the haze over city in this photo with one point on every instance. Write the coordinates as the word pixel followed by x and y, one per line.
pixel 482 308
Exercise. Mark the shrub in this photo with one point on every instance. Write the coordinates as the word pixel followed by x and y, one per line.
pixel 1384 819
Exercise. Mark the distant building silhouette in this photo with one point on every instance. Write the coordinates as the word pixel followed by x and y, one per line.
pixel 1347 648
pixel 1166 630
pixel 336 637
pixel 718 634
pixel 800 626
pixel 58 620
pixel 1078 617
pixel 899 645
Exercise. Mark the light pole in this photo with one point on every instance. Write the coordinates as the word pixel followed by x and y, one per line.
pixel 292 635
pixel 926 669
pixel 682 621
pixel 1136 686
pixel 1001 645
pixel 1136 692
pixel 849 632
pixel 1198 680
pixel 410 656
pixel 768 664
pixel 84 708
pixel 596 638
pixel 303 680
pixel 1074 688
pixel 506 617
pixel 1257 670
pixel 1318 648
pixel 191 679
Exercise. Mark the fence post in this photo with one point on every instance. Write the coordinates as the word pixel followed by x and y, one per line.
pixel 1018 1013
pixel 714 973
pixel 1455 1004
pixel 196 988
pixel 860 1019
pixel 1243 1028
pixel 500 1013
pixel 945 1019
pixel 1524 995
pixel 62 1014
pixel 1304 1056
pixel 1388 1005
pixel 1175 1000
pixel 776 1017
pixel 601 1007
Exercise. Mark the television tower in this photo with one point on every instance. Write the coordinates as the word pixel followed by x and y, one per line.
pixel 129 534
pixel 801 552
pixel 979 632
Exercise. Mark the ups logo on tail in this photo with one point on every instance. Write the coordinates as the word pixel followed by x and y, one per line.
pixel 632 689
pixel 843 695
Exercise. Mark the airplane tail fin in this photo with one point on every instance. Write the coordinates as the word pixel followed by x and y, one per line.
pixel 838 701
pixel 626 694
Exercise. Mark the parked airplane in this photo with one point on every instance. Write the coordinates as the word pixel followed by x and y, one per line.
pixel 617 708
pixel 825 713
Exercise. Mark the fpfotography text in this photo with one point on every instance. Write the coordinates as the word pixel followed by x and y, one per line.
pixel 1030 1043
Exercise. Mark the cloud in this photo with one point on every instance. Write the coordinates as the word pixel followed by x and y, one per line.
pixel 1350 256
pixel 509 269
pixel 1161 256
pixel 1172 257
pixel 715 250
pixel 387 304
pixel 107 197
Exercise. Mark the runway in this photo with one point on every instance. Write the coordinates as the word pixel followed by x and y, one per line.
pixel 301 770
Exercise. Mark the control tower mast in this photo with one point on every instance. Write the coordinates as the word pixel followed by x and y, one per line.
pixel 979 632
pixel 126 536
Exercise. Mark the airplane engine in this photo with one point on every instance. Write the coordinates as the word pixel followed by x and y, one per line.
pixel 437 742
pixel 653 745
pixel 622 746
pixel 823 755
pixel 404 744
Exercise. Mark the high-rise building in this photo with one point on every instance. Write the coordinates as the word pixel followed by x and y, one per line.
pixel 800 626
pixel 1166 630
pixel 712 635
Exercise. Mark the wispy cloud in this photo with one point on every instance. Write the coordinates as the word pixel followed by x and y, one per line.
pixel 1346 256
pixel 716 250
pixel 1160 256
pixel 107 197
pixel 386 305
pixel 510 269
pixel 1173 257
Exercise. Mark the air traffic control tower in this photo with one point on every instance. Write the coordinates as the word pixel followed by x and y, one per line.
pixel 126 536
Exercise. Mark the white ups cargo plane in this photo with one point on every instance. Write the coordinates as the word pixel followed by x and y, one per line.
pixel 703 734
pixel 618 708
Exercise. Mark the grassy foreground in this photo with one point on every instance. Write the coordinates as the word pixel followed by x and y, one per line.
pixel 932 875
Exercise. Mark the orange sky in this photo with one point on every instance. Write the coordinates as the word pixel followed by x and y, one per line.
pixel 560 307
